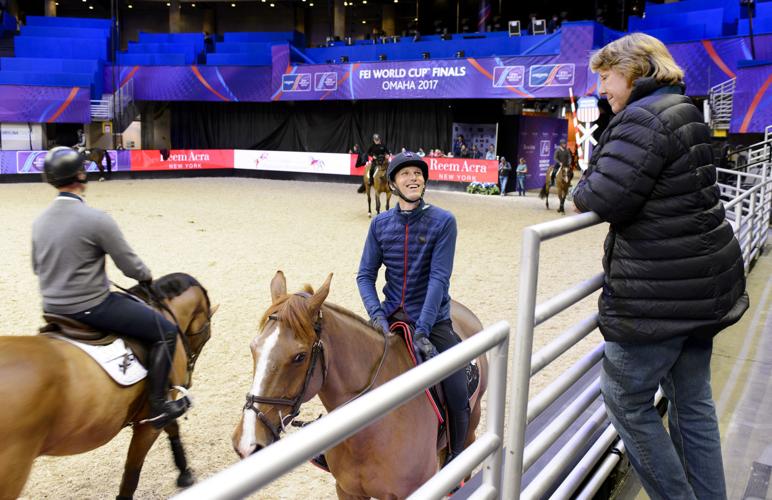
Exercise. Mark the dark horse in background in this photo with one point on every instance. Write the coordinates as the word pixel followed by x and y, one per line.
pixel 98 156
pixel 58 401
pixel 379 182
pixel 562 182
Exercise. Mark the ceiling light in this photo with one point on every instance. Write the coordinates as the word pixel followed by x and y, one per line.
pixel 168 4
pixel 396 1
pixel 272 5
pixel 131 6
pixel 233 5
pixel 345 4
pixel 192 5
pixel 415 19
pixel 311 4
pixel 364 2
pixel 364 22
pixel 90 7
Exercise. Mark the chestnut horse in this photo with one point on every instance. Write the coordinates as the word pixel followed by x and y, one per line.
pixel 380 183
pixel 307 347
pixel 562 182
pixel 98 156
pixel 58 401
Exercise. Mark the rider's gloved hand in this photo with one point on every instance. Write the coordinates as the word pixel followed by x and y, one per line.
pixel 424 349
pixel 380 324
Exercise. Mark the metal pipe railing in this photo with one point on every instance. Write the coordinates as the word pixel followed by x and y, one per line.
pixel 250 474
pixel 564 342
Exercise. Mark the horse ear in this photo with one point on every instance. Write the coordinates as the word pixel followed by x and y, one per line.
pixel 278 286
pixel 317 299
pixel 213 310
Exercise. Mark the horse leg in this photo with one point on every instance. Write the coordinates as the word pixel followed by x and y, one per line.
pixel 109 163
pixel 342 495
pixel 388 198
pixel 185 478
pixel 369 206
pixel 15 465
pixel 547 197
pixel 141 440
pixel 377 202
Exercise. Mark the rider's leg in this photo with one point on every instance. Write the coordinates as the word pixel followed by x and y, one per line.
pixel 456 396
pixel 126 316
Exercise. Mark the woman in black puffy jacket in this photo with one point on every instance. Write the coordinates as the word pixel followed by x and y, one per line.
pixel 674 274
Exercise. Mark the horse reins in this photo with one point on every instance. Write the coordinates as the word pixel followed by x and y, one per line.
pixel 317 351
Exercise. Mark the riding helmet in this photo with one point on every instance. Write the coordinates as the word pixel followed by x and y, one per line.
pixel 407 159
pixel 62 165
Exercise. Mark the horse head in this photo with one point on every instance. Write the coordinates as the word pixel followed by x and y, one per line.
pixel 289 365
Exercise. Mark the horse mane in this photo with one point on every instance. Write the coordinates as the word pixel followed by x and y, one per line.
pixel 170 286
pixel 292 309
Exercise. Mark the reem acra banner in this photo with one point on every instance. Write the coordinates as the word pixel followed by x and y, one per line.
pixel 462 170
pixel 295 161
pixel 181 159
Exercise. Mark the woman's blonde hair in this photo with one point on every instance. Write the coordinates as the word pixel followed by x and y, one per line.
pixel 637 55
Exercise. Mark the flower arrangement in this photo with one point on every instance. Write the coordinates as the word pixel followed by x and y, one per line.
pixel 483 188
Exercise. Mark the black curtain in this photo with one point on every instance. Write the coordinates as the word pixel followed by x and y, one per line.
pixel 332 126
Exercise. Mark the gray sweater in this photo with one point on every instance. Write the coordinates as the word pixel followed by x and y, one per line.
pixel 69 244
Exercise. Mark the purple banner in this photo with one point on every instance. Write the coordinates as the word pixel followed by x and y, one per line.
pixel 753 98
pixel 194 83
pixel 31 162
pixel 28 103
pixel 484 78
pixel 537 142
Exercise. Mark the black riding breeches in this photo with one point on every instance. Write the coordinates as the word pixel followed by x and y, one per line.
pixel 456 396
pixel 123 315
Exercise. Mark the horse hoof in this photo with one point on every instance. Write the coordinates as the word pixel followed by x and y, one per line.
pixel 186 479
pixel 101 179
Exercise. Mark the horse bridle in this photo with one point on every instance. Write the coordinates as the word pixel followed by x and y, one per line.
pixel 317 353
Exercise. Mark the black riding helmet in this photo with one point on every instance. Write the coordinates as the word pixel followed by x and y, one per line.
pixel 62 166
pixel 407 159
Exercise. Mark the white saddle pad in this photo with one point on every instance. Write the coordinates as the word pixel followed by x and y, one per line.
pixel 117 359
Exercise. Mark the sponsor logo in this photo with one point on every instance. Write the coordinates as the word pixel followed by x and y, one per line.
pixel 300 82
pixel 326 82
pixel 551 75
pixel 462 170
pixel 587 109
pixel 544 148
pixel 508 76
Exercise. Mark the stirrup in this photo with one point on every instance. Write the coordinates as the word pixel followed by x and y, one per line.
pixel 169 412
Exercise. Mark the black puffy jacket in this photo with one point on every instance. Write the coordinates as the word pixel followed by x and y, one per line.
pixel 672 264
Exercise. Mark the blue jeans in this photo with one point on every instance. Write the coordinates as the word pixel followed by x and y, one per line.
pixel 521 184
pixel 687 464
pixel 503 184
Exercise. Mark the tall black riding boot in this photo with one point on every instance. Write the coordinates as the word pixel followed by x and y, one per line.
pixel 458 424
pixel 161 410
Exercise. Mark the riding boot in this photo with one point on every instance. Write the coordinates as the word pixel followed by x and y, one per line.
pixel 161 410
pixel 458 424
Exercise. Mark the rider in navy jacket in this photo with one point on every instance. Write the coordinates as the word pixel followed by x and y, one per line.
pixel 416 242
pixel 417 248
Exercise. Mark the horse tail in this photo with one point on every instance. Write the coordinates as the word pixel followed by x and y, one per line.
pixel 543 192
pixel 108 160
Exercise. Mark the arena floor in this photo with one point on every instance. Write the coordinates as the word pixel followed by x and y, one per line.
pixel 233 234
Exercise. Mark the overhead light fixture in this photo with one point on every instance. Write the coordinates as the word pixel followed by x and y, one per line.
pixel 168 4
pixel 233 5
pixel 396 1
pixel 90 7
pixel 131 6
pixel 364 2
pixel 364 22
pixel 311 4
pixel 345 4
pixel 273 5
pixel 415 19
pixel 192 5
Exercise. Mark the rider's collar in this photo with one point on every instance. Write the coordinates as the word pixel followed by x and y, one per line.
pixel 74 196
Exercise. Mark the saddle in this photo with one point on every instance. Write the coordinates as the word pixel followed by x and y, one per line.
pixel 64 326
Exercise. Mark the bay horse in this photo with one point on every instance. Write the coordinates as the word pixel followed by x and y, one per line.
pixel 562 182
pixel 307 346
pixel 58 401
pixel 98 156
pixel 380 183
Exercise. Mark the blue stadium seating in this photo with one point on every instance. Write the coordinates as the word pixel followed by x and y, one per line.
pixel 188 50
pixel 293 37
pixel 195 39
pixel 238 59
pixel 65 32
pixel 760 25
pixel 68 21
pixel 68 48
pixel 140 59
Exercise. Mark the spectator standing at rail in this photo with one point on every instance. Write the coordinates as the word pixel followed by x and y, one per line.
pixel 491 153
pixel 674 275
pixel 521 171
pixel 505 168
pixel 457 145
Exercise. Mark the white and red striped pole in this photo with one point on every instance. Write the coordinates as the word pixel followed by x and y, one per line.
pixel 579 149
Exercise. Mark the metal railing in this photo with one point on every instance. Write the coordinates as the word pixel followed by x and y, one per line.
pixel 114 104
pixel 268 464
pixel 720 99
pixel 519 457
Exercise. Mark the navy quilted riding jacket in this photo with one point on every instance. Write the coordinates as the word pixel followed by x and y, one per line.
pixel 417 249
pixel 672 264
